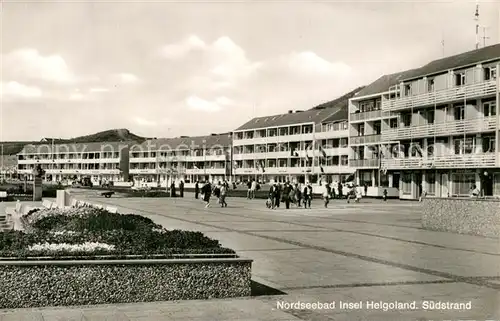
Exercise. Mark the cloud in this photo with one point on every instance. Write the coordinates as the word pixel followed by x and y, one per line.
pixel 308 62
pixel 127 78
pixel 30 64
pixel 98 90
pixel 144 122
pixel 181 49
pixel 14 90
pixel 196 103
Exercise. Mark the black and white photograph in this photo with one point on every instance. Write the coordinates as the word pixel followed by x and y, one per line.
pixel 238 160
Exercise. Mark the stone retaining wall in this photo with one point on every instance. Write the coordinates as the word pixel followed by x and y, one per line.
pixel 27 284
pixel 462 215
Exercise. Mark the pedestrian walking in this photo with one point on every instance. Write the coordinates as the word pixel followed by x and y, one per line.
pixel 366 189
pixel 298 194
pixel 206 192
pixel 223 194
pixel 273 190
pixel 172 190
pixel 340 190
pixel 196 190
pixel 326 194
pixel 307 195
pixel 216 192
pixel 385 194
pixel 286 194
pixel 181 188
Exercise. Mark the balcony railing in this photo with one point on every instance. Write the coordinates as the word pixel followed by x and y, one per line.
pixel 441 129
pixel 441 162
pixel 375 114
pixel 372 163
pixel 367 139
pixel 294 170
pixel 440 96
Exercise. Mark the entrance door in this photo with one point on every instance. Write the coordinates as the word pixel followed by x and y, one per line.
pixel 444 185
pixel 487 184
pixel 418 184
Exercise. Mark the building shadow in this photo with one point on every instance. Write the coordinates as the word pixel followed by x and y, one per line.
pixel 259 289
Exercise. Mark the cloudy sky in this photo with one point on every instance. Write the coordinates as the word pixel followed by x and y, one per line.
pixel 165 69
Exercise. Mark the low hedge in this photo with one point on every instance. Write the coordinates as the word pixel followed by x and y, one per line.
pixel 129 234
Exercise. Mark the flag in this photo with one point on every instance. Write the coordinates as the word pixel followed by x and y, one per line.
pixel 235 165
pixel 349 178
pixel 307 157
pixel 322 169
pixel 195 167
pixel 294 153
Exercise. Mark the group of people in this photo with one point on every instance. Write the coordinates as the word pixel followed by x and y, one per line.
pixel 289 194
pixel 219 190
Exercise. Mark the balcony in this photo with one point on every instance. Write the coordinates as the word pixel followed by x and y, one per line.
pixel 143 171
pixel 273 139
pixel 441 96
pixel 273 155
pixel 370 115
pixel 442 162
pixel 206 171
pixel 364 163
pixel 367 139
pixel 222 157
pixel 335 169
pixel 469 126
pixel 331 134
pixel 142 159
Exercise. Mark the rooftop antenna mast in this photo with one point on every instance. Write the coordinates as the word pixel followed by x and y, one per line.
pixel 485 37
pixel 476 18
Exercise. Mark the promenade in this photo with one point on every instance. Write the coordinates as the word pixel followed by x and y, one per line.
pixel 355 253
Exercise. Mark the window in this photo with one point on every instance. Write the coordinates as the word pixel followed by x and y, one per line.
pixel 344 160
pixel 490 108
pixel 460 79
pixel 377 128
pixel 407 90
pixel 489 144
pixel 393 123
pixel 430 117
pixel 462 183
pixel 464 147
pixel 378 104
pixel 430 85
pixel 343 142
pixel 490 73
pixel 431 183
pixel 406 179
pixel 459 112
pixel 406 119
pixel 361 129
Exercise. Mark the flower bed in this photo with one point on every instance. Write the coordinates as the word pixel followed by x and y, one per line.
pixel 90 256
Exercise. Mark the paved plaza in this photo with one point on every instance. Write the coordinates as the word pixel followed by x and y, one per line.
pixel 371 251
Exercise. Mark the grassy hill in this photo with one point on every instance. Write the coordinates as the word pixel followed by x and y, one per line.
pixel 344 99
pixel 113 135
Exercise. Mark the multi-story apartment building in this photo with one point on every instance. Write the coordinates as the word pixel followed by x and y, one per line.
pixel 190 159
pixel 298 146
pixel 367 122
pixel 445 135
pixel 8 166
pixel 99 161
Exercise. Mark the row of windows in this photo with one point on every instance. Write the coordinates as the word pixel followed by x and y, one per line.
pixel 459 79
pixel 284 162
pixel 69 156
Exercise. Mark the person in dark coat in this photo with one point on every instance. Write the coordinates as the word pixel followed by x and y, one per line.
pixel 172 190
pixel 307 195
pixel 340 190
pixel 277 196
pixel 366 189
pixel 298 194
pixel 286 194
pixel 272 195
pixel 196 190
pixel 206 191
pixel 181 189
